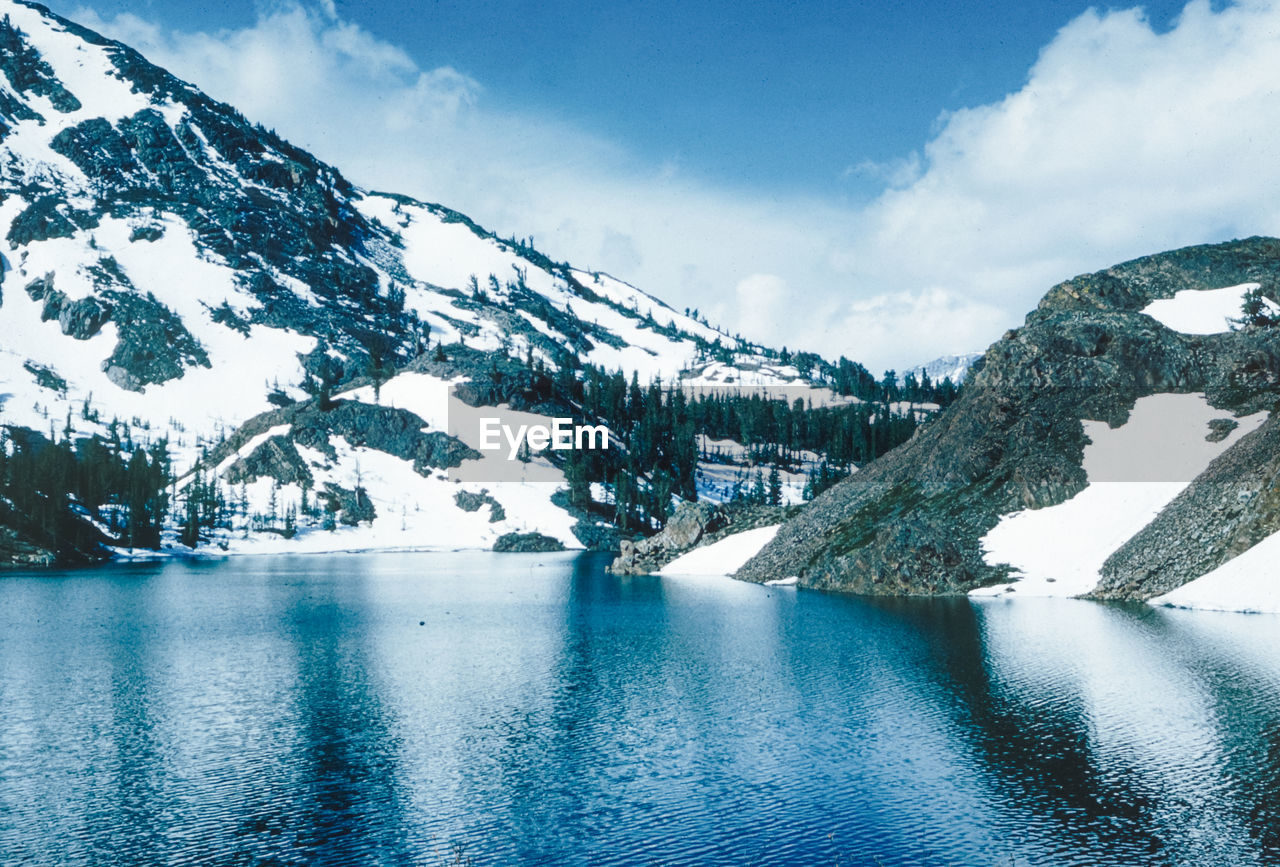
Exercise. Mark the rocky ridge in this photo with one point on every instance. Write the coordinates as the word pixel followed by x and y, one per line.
pixel 911 523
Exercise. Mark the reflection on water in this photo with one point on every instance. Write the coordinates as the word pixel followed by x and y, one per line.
pixel 532 709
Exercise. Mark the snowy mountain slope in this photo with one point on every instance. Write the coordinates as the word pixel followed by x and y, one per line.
pixel 170 266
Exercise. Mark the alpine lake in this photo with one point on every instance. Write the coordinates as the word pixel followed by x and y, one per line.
pixel 478 708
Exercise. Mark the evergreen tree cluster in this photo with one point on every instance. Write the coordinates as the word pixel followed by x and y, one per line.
pixel 655 456
pixel 658 431
pixel 1256 311
pixel 776 432
pixel 49 488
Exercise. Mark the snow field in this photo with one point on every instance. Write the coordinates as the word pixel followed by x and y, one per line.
pixel 1247 582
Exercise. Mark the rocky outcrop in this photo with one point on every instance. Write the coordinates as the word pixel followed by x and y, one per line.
pixel 472 502
pixel 83 318
pixel 527 543
pixel 28 73
pixel 911 522
pixel 395 431
pixel 45 218
pixel 691 526
pixel 350 506
pixel 275 458
pixel 153 346
pixel 46 377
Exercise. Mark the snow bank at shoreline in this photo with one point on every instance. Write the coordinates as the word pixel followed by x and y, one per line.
pixel 724 557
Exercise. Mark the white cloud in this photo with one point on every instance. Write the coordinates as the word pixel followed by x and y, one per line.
pixel 759 301
pixel 877 328
pixel 1123 141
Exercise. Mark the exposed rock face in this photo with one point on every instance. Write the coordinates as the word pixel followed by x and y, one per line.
pixel 83 318
pixel 686 528
pixel 351 506
pixel 153 347
pixel 692 526
pixel 28 73
pixel 910 523
pixel 276 458
pixel 46 377
pixel 394 431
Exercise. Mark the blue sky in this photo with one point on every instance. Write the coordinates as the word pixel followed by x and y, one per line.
pixel 768 94
pixel 888 181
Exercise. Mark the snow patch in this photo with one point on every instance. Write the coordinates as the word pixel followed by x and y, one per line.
pixel 724 557
pixel 1200 311
pixel 1247 582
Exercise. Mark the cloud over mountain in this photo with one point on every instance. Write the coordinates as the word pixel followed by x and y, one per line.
pixel 1122 140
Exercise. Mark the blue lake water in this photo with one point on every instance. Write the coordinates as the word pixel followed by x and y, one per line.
pixel 496 709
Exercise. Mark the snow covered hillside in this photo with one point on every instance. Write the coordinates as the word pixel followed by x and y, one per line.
pixel 952 367
pixel 172 270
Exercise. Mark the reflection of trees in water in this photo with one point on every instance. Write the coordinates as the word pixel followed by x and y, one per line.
pixel 1037 750
pixel 133 796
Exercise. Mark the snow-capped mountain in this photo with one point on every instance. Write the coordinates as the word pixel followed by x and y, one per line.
pixel 173 267
pixel 952 367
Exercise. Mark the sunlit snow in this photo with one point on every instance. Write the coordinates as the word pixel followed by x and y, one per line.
pixel 723 557
pixel 1197 311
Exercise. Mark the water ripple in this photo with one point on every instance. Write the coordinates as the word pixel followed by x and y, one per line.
pixel 470 709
